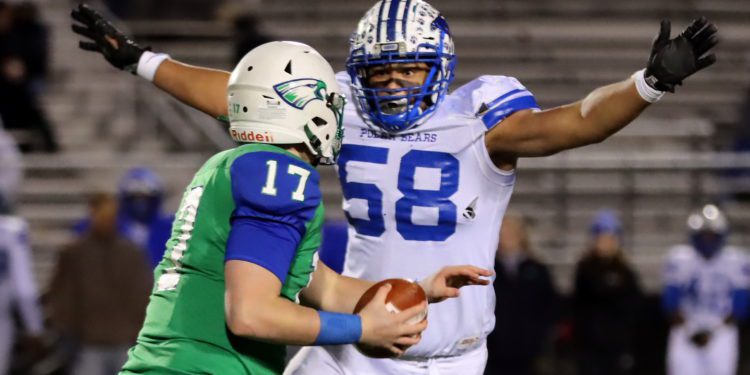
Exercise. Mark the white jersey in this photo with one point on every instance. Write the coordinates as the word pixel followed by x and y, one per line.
pixel 708 284
pixel 431 197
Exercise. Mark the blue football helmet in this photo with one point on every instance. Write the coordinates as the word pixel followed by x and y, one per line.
pixel 401 31
pixel 606 222
pixel 141 193
pixel 708 228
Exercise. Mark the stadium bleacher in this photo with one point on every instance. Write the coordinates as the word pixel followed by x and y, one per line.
pixel 108 121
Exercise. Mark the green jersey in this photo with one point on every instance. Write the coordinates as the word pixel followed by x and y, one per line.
pixel 257 203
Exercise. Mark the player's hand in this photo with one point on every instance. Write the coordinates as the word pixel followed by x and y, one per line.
pixel 673 60
pixel 447 282
pixel 394 332
pixel 700 338
pixel 103 37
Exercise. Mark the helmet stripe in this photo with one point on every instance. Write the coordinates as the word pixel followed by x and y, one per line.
pixel 392 16
pixel 404 18
pixel 380 21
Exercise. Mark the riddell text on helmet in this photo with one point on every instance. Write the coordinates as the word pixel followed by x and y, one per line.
pixel 251 136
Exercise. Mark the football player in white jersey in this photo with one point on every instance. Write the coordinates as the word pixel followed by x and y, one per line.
pixel 17 286
pixel 427 175
pixel 706 292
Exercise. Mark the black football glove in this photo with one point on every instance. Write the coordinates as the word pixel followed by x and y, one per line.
pixel 701 338
pixel 673 60
pixel 117 48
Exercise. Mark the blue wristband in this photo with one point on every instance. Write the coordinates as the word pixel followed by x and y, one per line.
pixel 338 329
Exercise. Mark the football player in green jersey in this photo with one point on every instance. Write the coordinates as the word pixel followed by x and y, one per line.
pixel 240 277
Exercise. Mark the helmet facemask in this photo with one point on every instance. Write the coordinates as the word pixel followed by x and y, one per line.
pixel 425 38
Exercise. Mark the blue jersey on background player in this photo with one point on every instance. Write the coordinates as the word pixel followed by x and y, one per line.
pixel 706 292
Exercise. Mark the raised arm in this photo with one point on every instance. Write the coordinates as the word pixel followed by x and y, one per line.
pixel 607 109
pixel 198 87
pixel 201 88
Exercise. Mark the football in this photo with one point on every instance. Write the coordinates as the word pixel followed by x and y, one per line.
pixel 403 295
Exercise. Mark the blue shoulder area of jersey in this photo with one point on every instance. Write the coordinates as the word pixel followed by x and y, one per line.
pixel 494 98
pixel 275 196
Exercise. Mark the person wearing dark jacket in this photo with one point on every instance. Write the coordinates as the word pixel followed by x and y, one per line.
pixel 526 308
pixel 605 302
pixel 99 292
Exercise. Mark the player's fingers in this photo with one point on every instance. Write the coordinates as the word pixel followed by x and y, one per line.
pixel 704 47
pixel 413 329
pixel 396 351
pixel 483 271
pixel 381 294
pixel 450 292
pixel 83 31
pixel 89 13
pixel 411 312
pixel 78 16
pixel 478 281
pixel 475 272
pixel 88 46
pixel 407 341
pixel 664 31
pixel 705 62
pixel 695 27
pixel 705 33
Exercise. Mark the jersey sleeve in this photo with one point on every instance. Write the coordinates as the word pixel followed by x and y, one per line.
pixel 493 98
pixel 275 198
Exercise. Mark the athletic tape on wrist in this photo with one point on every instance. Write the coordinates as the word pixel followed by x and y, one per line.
pixel 149 63
pixel 646 92
pixel 338 329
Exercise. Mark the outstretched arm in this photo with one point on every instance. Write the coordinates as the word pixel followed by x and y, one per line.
pixel 607 109
pixel 201 88
pixel 198 87
pixel 333 292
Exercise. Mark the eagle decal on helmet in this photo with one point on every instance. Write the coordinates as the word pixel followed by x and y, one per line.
pixel 299 92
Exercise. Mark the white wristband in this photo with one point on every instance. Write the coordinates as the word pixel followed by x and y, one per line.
pixel 646 92
pixel 149 63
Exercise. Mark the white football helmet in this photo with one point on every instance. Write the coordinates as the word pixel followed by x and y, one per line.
pixel 286 93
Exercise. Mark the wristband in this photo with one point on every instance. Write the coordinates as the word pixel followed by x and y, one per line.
pixel 338 329
pixel 646 92
pixel 149 63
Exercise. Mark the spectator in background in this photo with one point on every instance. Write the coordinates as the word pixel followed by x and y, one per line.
pixel 140 218
pixel 605 302
pixel 706 293
pixel 99 292
pixel 23 70
pixel 17 287
pixel 526 307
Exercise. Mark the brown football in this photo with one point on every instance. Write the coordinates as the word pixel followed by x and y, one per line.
pixel 403 295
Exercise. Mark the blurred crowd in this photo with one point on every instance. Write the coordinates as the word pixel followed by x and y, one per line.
pixel 606 324
pixel 24 67
pixel 93 308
